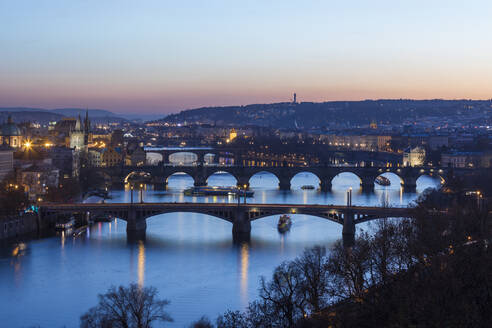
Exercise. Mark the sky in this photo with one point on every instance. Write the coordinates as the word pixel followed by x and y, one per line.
pixel 159 56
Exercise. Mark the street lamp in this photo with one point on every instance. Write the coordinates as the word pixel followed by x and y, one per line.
pixel 141 193
pixel 244 192
pixel 131 193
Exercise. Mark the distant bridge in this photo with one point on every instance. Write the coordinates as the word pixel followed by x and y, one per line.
pixel 160 174
pixel 240 215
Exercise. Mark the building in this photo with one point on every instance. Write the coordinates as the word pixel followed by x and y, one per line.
pixel 11 135
pixel 117 138
pixel 414 156
pixel 6 161
pixel 94 157
pixel 36 180
pixel 80 135
pixel 461 159
pixel 64 159
pixel 111 157
pixel 232 134
pixel 77 137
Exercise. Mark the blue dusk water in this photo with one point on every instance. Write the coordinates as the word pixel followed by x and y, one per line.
pixel 189 258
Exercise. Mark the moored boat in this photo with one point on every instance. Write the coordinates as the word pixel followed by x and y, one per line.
pixel 307 187
pixel 65 225
pixel 217 191
pixel 383 181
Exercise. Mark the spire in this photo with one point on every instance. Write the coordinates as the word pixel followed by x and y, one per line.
pixel 77 124
pixel 87 123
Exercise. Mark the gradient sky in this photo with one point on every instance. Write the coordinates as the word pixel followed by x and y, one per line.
pixel 165 56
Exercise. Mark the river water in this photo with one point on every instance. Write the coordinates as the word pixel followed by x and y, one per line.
pixel 189 258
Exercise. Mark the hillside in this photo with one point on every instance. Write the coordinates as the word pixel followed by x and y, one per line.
pixel 335 113
pixel 43 116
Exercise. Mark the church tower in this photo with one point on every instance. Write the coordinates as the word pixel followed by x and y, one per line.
pixel 77 136
pixel 87 128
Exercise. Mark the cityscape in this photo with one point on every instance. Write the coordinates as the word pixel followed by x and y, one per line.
pixel 214 165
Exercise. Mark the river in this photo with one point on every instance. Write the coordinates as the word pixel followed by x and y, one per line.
pixel 189 258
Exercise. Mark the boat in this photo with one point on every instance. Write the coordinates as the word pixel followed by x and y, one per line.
pixel 217 191
pixel 66 224
pixel 284 223
pixel 383 181
pixel 307 187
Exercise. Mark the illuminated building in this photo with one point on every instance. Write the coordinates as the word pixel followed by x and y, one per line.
pixel 10 134
pixel 232 134
pixel 414 156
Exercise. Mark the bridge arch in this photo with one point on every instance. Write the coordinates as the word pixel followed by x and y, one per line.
pixel 210 158
pixel 138 176
pixel 182 158
pixel 346 179
pixel 433 180
pixel 258 179
pixel 222 178
pixel 302 178
pixel 180 180
pixel 394 178
pixel 153 158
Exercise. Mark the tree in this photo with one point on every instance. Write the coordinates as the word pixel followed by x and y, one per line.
pixel 283 297
pixel 203 322
pixel 126 307
pixel 349 268
pixel 314 278
pixel 232 319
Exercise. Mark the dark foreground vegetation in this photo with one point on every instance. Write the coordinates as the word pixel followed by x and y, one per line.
pixel 431 271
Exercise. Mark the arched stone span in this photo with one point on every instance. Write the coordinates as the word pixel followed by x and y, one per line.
pixel 153 158
pixel 310 176
pixel 255 179
pixel 138 176
pixel 182 183
pixel 425 181
pixel 348 175
pixel 210 159
pixel 182 158
pixel 213 179
pixel 392 176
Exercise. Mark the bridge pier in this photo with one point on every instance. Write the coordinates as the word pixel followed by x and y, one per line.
pixel 160 186
pixel 284 184
pixel 241 227
pixel 410 184
pixel 348 231
pixel 242 181
pixel 325 185
pixel 136 226
pixel 367 184
pixel 199 181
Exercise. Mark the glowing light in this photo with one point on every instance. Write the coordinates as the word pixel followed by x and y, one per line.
pixel 244 272
pixel 141 263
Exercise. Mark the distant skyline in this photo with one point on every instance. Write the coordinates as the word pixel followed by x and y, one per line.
pixel 166 56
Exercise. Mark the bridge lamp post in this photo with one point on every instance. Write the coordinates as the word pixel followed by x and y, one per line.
pixel 131 194
pixel 349 197
pixel 141 193
pixel 244 193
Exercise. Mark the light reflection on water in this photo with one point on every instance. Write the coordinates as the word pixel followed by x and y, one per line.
pixel 189 258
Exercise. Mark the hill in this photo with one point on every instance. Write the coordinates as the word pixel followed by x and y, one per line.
pixel 333 113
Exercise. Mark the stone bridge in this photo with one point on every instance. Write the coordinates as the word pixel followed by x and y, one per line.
pixel 159 174
pixel 240 215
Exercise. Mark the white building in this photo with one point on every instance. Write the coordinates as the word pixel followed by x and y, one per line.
pixel 414 156
pixel 6 161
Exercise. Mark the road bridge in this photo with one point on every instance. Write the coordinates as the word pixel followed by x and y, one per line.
pixel 160 174
pixel 240 215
